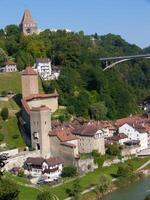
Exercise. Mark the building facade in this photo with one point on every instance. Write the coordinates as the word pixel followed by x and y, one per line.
pixel 29 82
pixel 43 67
pixel 63 143
pixel 91 138
pixel 40 123
pixel 135 134
pixel 28 26
pixel 48 169
pixel 8 66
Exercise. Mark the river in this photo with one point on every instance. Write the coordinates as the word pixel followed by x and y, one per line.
pixel 136 191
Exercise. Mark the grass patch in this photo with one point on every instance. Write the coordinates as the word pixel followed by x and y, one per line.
pixel 12 82
pixel 11 132
pixel 11 105
pixel 27 193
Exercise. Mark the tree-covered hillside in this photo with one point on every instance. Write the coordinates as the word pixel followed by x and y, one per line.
pixel 84 88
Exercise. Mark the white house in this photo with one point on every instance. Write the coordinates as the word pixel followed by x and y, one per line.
pixel 8 66
pixel 135 133
pixel 43 67
pixel 50 169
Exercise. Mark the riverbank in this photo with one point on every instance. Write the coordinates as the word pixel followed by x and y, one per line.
pixel 120 183
pixel 86 182
pixel 92 179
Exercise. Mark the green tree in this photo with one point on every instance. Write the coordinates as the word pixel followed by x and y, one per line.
pixel 8 190
pixel 69 171
pixel 4 113
pixel 3 56
pixel 125 170
pixel 103 185
pixel 76 190
pixel 113 150
pixel 46 195
pixel 98 111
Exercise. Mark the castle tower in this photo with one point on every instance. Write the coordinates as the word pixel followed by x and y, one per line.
pixel 27 25
pixel 40 122
pixel 29 82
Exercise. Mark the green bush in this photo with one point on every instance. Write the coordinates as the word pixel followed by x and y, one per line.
pixel 46 195
pixel 98 158
pixel 4 113
pixel 4 93
pixel 1 137
pixel 113 150
pixel 125 170
pixel 69 171
pixel 8 190
pixel 15 136
pixel 21 173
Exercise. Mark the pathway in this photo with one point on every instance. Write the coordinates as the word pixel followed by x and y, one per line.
pixel 144 165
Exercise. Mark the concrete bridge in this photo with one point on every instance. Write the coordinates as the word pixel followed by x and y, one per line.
pixel 112 61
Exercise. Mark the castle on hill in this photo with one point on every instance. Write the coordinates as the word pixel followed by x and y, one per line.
pixel 28 26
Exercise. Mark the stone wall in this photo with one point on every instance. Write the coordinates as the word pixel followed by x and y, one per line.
pixel 62 151
pixel 51 102
pixel 19 159
pixel 29 85
pixel 88 144
pixel 85 165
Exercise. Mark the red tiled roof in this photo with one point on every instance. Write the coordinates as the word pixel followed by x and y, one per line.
pixel 41 96
pixel 39 160
pixel 63 134
pixel 25 105
pixel 129 120
pixel 9 62
pixel 29 71
pixel 53 161
pixel 92 127
pixel 118 137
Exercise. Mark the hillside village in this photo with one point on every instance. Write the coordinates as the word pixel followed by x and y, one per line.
pixel 64 144
pixel 49 144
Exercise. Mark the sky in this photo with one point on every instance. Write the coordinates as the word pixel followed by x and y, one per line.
pixel 128 18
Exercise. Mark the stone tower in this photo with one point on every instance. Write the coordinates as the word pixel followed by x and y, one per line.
pixel 29 82
pixel 27 25
pixel 40 122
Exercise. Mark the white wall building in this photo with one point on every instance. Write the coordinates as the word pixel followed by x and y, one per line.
pixel 49 169
pixel 8 66
pixel 43 67
pixel 135 133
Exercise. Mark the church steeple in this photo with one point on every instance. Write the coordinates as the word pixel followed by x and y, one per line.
pixel 28 26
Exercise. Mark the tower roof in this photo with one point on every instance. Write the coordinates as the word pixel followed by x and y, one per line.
pixel 27 18
pixel 29 71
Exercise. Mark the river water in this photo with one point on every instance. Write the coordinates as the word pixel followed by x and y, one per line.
pixel 136 191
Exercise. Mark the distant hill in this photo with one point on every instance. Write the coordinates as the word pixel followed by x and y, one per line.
pixel 146 50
